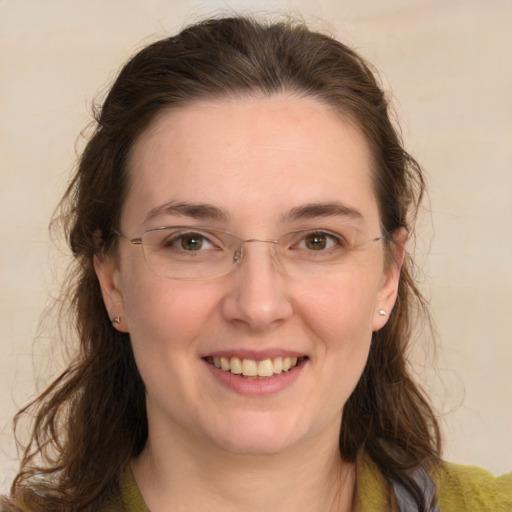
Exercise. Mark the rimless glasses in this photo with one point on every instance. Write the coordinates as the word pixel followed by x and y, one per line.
pixel 195 253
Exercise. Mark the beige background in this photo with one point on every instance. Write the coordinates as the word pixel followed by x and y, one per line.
pixel 448 64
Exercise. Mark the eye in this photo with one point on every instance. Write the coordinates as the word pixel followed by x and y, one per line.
pixel 189 242
pixel 192 241
pixel 320 241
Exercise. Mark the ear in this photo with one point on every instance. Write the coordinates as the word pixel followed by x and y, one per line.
pixel 108 276
pixel 391 278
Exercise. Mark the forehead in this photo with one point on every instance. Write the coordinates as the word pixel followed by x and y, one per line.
pixel 248 155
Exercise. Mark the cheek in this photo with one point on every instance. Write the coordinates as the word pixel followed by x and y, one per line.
pixel 166 324
pixel 342 308
pixel 340 318
pixel 166 314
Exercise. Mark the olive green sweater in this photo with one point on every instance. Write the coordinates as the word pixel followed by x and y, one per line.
pixel 459 489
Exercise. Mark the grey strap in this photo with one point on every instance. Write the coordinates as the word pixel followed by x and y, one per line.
pixel 405 501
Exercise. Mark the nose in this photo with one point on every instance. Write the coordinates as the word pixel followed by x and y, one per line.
pixel 257 296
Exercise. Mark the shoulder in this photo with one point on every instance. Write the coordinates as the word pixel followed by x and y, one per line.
pixel 459 488
pixel 129 498
pixel 36 496
pixel 472 489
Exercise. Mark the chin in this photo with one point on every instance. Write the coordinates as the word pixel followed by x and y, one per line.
pixel 259 447
pixel 259 438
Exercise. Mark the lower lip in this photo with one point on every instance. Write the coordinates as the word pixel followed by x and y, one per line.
pixel 257 387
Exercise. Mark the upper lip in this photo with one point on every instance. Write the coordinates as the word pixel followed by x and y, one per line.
pixel 257 355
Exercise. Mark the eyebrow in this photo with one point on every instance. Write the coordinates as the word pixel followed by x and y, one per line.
pixel 201 211
pixel 315 210
pixel 205 211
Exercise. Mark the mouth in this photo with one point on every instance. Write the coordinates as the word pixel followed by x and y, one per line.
pixel 255 369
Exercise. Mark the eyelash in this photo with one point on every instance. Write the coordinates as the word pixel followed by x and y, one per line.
pixel 337 240
pixel 331 240
pixel 174 240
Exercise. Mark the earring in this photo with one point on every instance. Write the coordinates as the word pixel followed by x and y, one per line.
pixel 116 320
pixel 382 312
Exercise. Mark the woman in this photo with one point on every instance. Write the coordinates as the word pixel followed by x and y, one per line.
pixel 242 294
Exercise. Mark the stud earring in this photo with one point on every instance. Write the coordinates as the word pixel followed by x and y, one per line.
pixel 116 320
pixel 382 312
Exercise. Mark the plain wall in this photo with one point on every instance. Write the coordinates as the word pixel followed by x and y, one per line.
pixel 448 65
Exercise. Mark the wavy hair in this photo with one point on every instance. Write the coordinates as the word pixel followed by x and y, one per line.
pixel 91 420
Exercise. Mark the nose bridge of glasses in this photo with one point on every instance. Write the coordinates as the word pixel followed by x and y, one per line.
pixel 264 240
pixel 239 250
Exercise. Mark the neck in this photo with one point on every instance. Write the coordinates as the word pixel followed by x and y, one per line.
pixel 311 477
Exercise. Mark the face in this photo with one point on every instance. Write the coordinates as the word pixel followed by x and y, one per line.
pixel 251 165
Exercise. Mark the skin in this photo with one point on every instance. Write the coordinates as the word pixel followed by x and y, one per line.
pixel 257 158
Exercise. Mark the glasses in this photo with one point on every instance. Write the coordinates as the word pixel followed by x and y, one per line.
pixel 195 253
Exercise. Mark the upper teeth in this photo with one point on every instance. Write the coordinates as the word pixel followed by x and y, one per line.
pixel 253 368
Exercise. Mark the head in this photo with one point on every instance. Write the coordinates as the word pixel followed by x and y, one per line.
pixel 230 62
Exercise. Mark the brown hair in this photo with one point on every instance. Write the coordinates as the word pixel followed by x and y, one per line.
pixel 92 419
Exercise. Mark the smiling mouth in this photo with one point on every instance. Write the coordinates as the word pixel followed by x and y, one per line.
pixel 253 369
